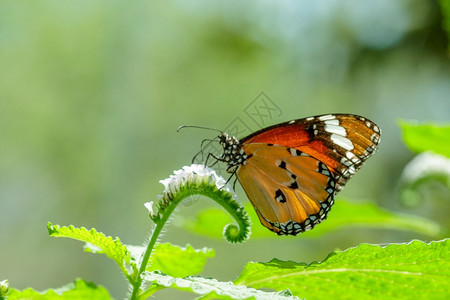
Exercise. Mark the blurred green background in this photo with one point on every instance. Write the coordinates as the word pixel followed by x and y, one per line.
pixel 91 94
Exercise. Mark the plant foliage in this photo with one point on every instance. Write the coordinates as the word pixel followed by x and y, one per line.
pixel 416 270
pixel 426 137
pixel 213 288
pixel 79 289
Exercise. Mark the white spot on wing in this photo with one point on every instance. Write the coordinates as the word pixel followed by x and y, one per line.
pixel 353 157
pixel 346 162
pixel 325 172
pixel 374 138
pixel 339 130
pixel 332 122
pixel 350 155
pixel 327 117
pixel 352 170
pixel 342 141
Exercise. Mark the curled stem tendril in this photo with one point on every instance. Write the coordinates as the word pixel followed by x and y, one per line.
pixel 194 180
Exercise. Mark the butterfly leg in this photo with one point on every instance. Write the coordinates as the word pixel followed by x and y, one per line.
pixel 201 149
pixel 229 179
pixel 213 156
pixel 235 180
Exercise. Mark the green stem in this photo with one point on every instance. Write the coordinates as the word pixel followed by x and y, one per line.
pixel 168 204
pixel 159 226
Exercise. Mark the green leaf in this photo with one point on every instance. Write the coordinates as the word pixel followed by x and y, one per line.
pixel 97 242
pixel 416 270
pixel 343 214
pixel 425 137
pixel 212 287
pixel 174 260
pixel 79 289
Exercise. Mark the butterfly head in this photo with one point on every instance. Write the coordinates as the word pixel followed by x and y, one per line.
pixel 233 154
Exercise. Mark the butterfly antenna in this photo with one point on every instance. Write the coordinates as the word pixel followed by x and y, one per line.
pixel 199 127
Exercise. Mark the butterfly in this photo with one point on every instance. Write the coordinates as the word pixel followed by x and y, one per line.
pixel 292 171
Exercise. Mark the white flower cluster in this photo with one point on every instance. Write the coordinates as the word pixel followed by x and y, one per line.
pixel 194 174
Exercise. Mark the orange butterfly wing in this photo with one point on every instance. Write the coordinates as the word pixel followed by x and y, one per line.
pixel 294 169
pixel 289 193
